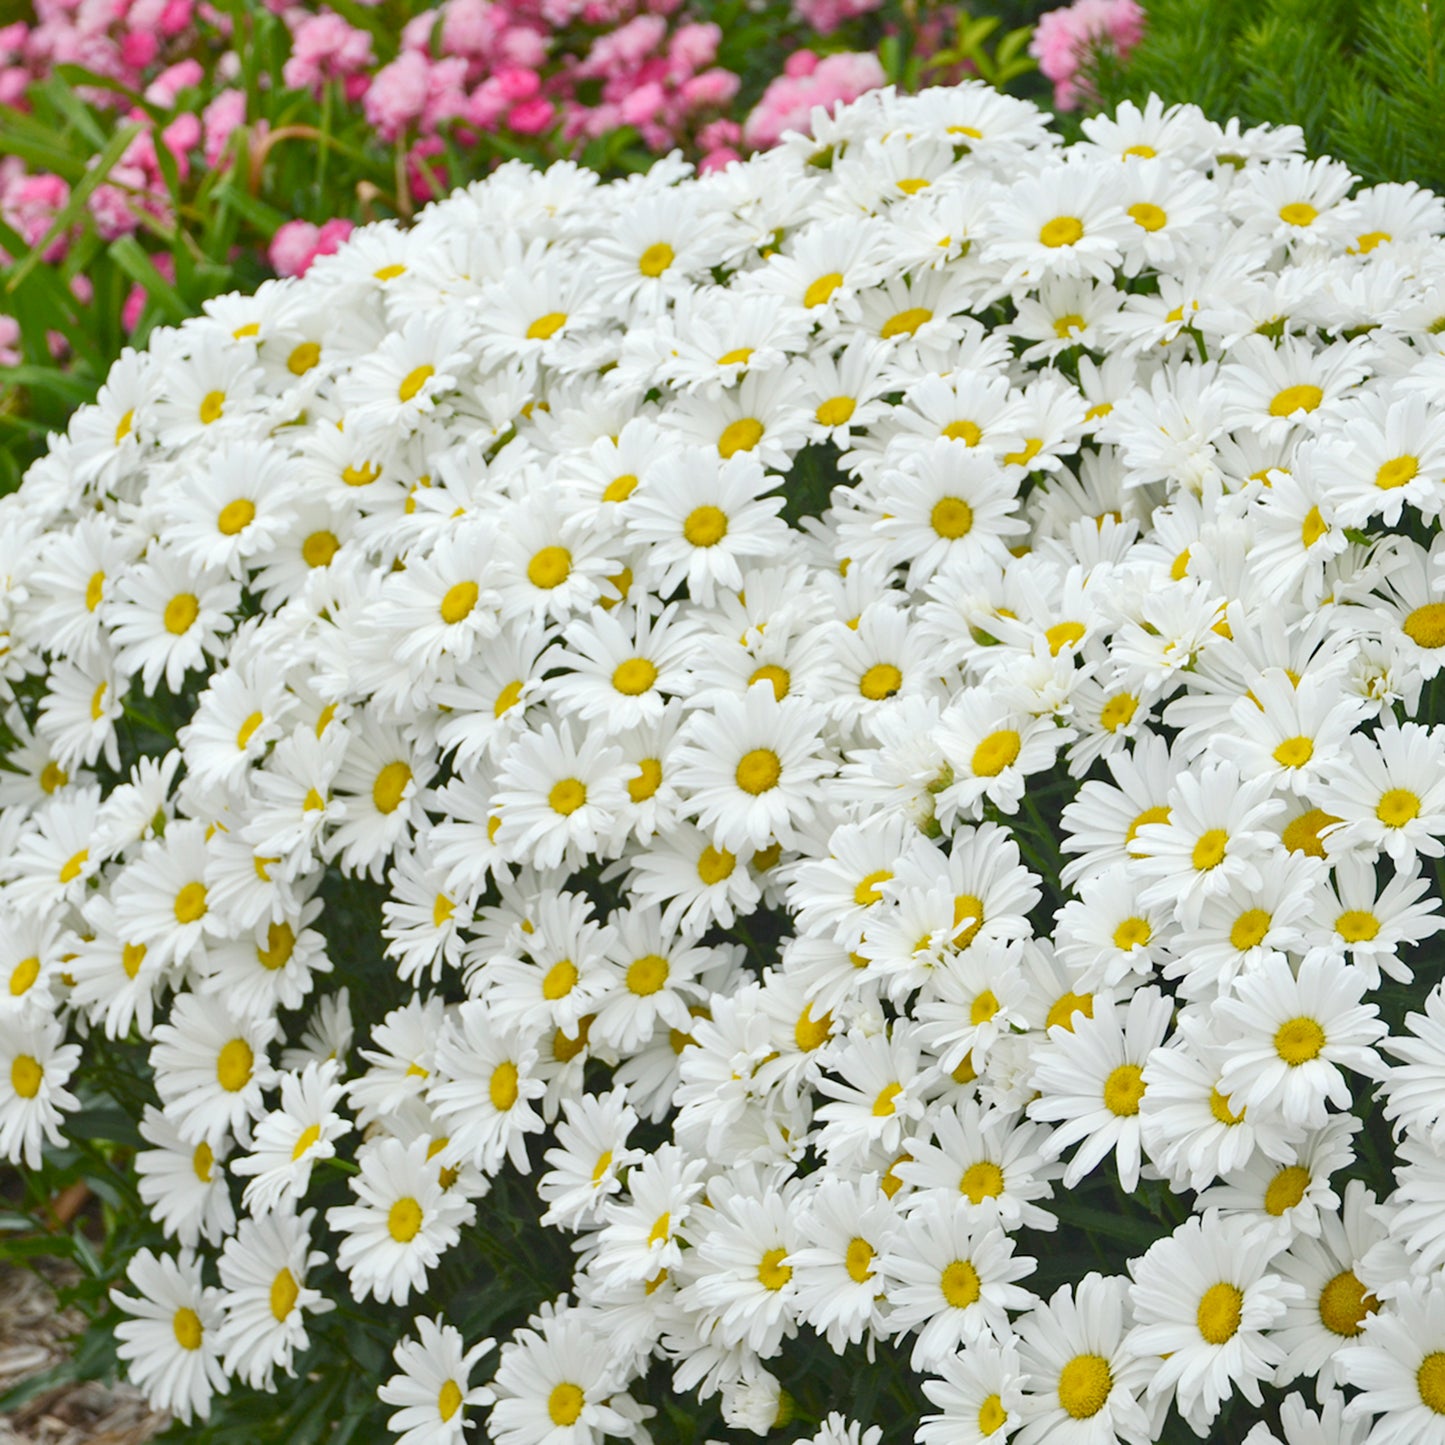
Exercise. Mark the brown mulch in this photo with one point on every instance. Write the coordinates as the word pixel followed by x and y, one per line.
pixel 34 1338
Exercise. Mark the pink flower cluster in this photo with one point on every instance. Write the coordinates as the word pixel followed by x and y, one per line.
pixel 807 81
pixel 1064 39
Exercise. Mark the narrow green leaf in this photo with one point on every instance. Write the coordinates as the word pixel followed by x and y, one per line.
pixel 128 254
pixel 74 208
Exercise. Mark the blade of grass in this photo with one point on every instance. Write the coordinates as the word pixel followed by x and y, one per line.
pixel 72 210
pixel 126 252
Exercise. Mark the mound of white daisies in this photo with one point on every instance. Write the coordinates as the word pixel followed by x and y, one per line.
pixel 879 698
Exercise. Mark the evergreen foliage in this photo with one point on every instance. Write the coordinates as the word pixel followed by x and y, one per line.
pixel 1365 79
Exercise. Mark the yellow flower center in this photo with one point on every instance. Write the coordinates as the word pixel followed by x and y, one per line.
pixel 1396 472
pixel 502 1087
pixel 740 436
pixel 967 919
pixel 458 602
pixel 634 677
pixel 26 1075
pixel 233 1065
pixel 963 431
pixel 779 677
pixel 999 750
pixel 1061 231
pixel 391 782
pixel 983 1180
pixel 885 1105
pixel 284 1292
pixel 858 1260
pixel 403 1220
pixel 1302 834
pixel 715 864
pixel 1149 815
pixel 868 891
pixel 705 526
pixel 70 869
pixel 24 974
pixel 960 1284
pixel 564 1404
pixel 1296 398
pixel 951 518
pixel 810 1033
pixel 202 1161
pixel 1294 752
pixel 656 259
pixel 560 980
pixel 1209 850
pixel 758 771
pixel 308 1136
pixel 820 290
pixel 181 611
pixel 1298 1041
pixel 985 1005
pixel 772 1272
pixel 303 358
pixel 905 322
pixel 1344 1303
pixel 991 1415
pixel 549 568
pixel 190 903
pixel 131 958
pixel 1084 1386
pixel 1067 324
pixel 186 1324
pixel 1123 1090
pixel 449 1399
pixel 1066 1006
pixel 124 425
pixel 1397 807
pixel 1133 933
pixel 360 476
pixel 646 975
pixel 1219 1107
pixel 1119 711
pixel 1355 925
pixel 413 381
pixel 835 411
pixel 647 781
pixel 212 405
pixel 1298 213
pixel 880 681
pixel 1425 626
pixel 546 326
pixel 1249 929
pixel 1286 1189
pixel 1219 1313
pixel 1150 217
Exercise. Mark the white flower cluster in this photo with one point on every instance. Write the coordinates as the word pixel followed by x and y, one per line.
pixel 888 668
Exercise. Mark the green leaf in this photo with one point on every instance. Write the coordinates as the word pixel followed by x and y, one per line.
pixel 128 254
pixel 74 208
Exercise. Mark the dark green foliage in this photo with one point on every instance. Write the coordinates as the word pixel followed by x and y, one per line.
pixel 1364 79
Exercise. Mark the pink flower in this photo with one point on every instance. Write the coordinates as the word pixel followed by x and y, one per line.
pixel 297 244
pixel 138 49
pixel 717 134
pixel 800 63
pixel 1064 39
pixel 221 119
pixel 398 95
pixel 532 117
pixel 30 206
pixel 711 90
pixel 695 46
pixel 716 160
pixel 787 104
pixel 10 354
pixel 183 75
pixel 517 84
pixel 181 136
pixel 825 16
pixel 643 104
pixel 324 47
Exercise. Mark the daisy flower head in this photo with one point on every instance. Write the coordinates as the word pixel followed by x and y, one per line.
pixel 402 1225
pixel 1203 1298
pixel 171 1344
pixel 1289 1034
pixel 1064 221
pixel 751 771
pixel 946 504
pixel 432 1384
pixel 34 1070
pixel 1082 1382
pixel 699 518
